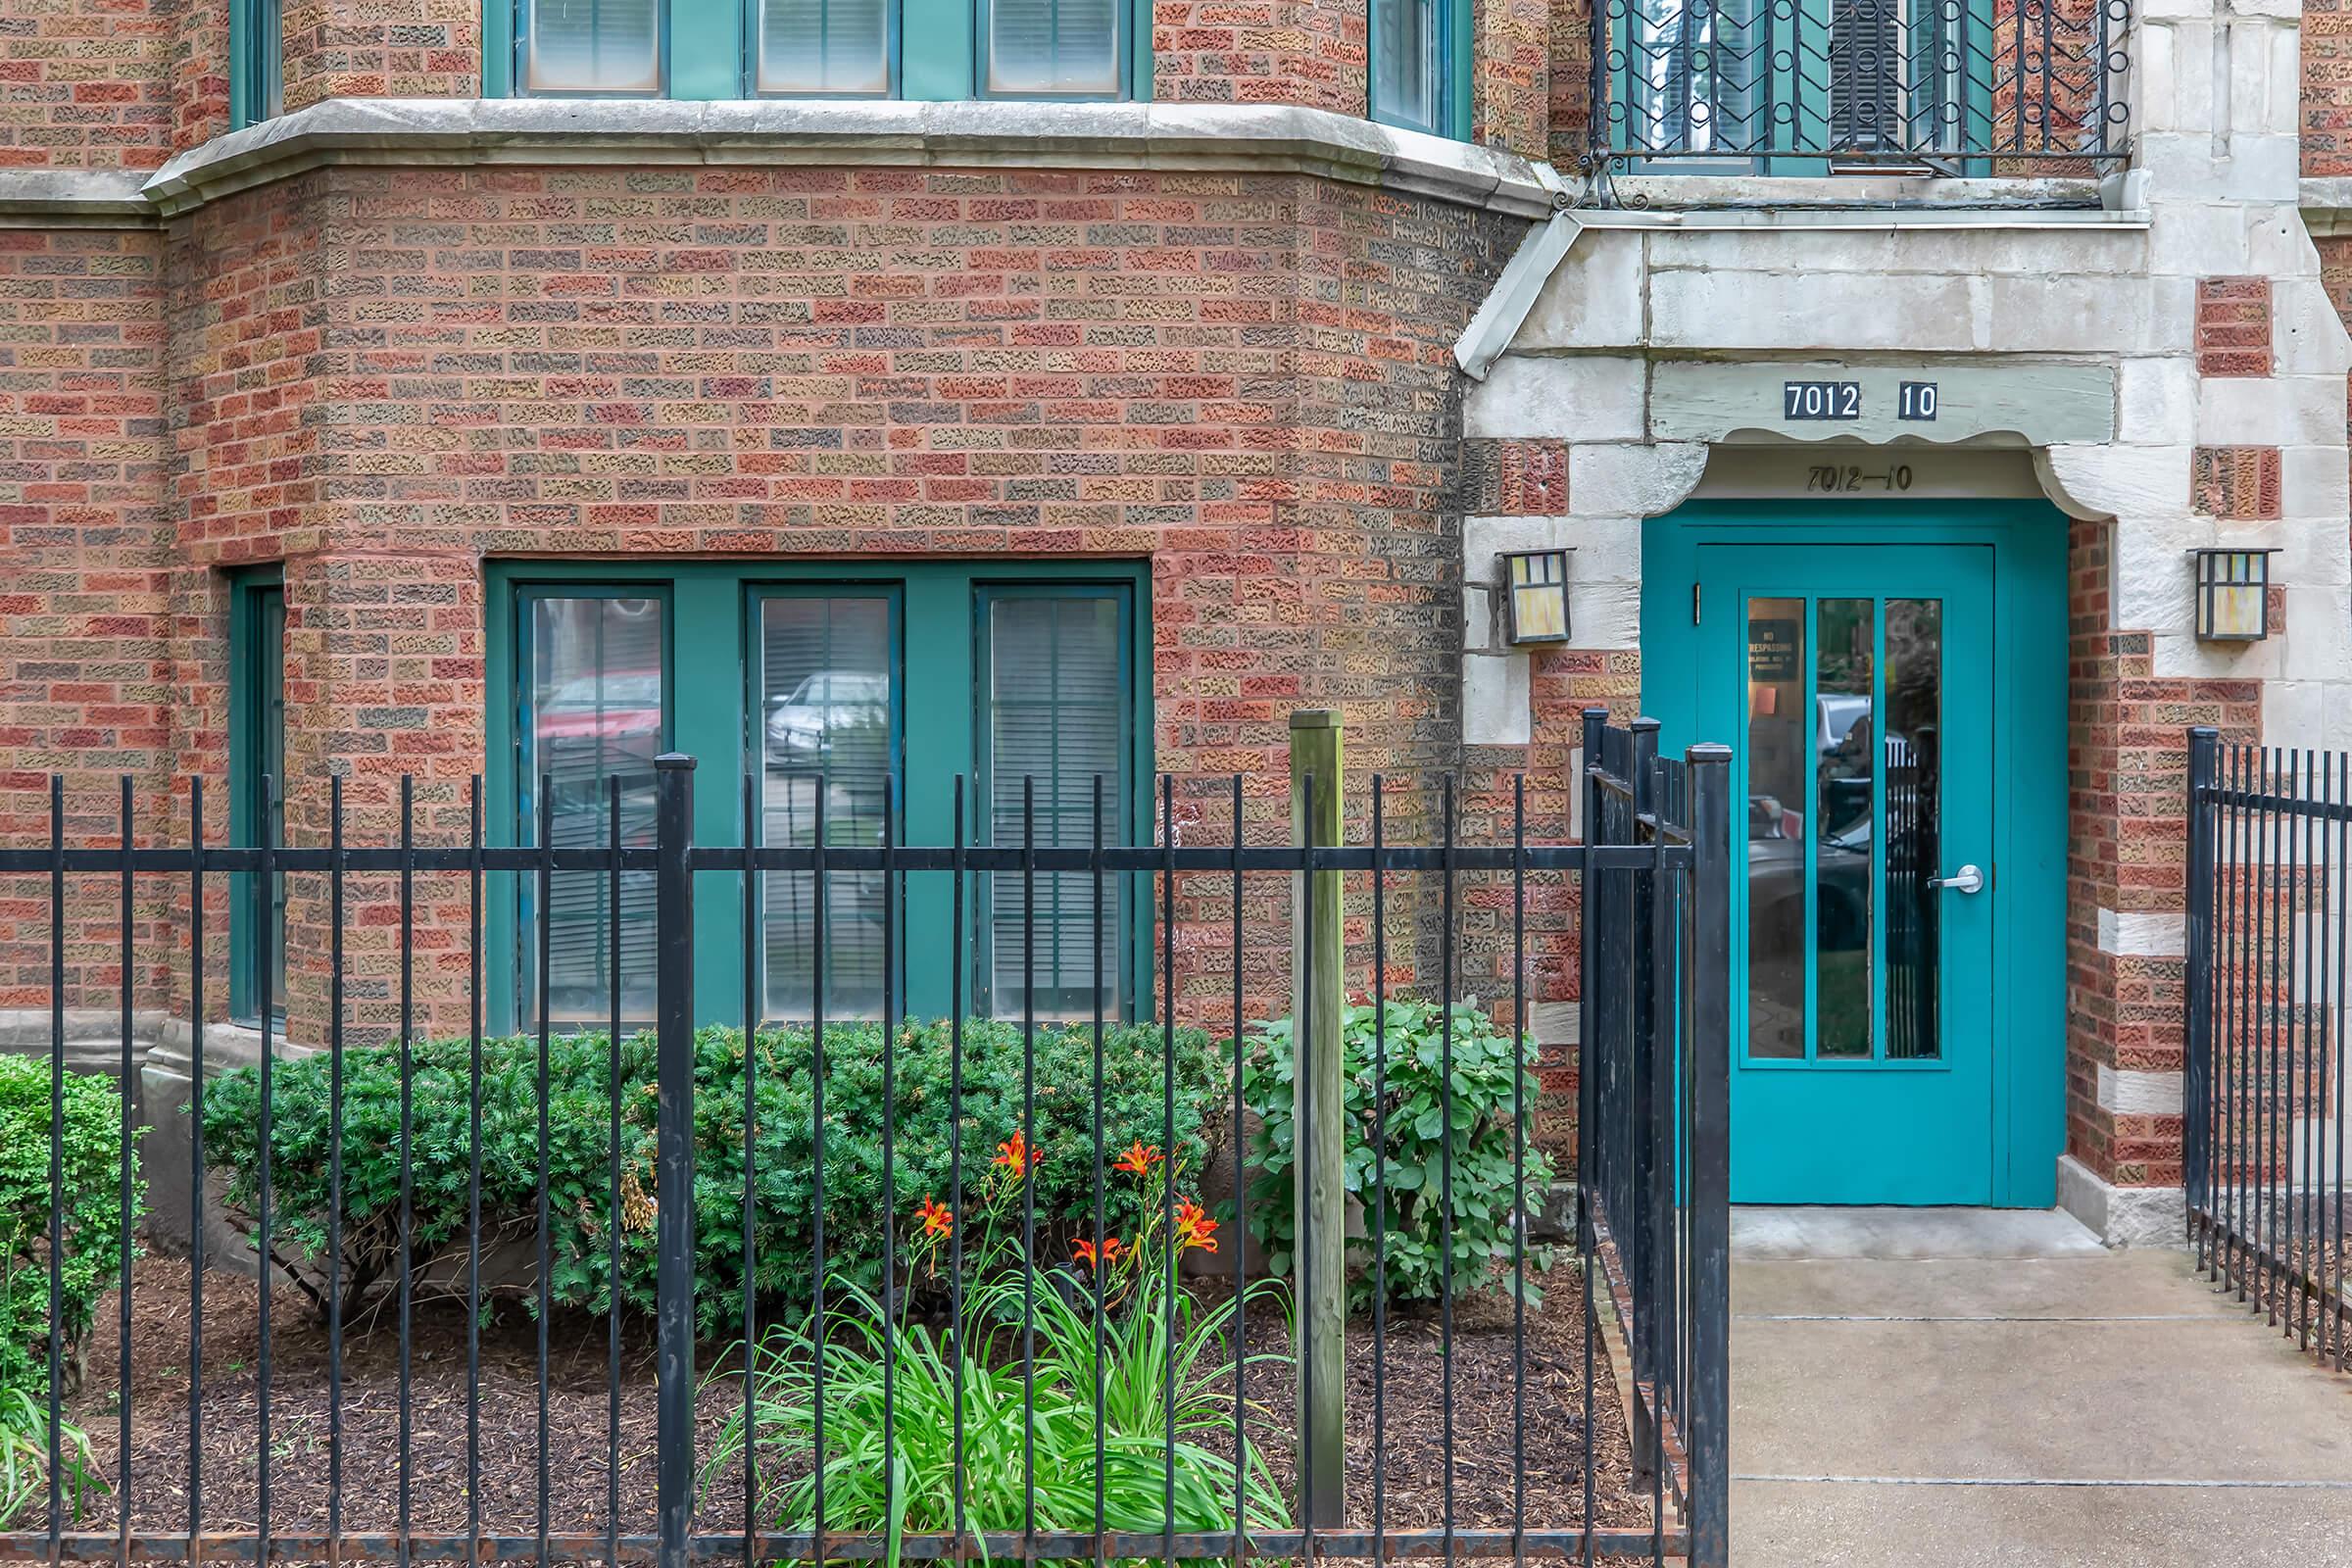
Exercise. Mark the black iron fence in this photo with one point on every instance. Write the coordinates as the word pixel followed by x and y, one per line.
pixel 2269 862
pixel 879 1286
pixel 1653 1115
pixel 1953 86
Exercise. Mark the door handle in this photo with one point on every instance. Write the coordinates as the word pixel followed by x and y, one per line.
pixel 1968 879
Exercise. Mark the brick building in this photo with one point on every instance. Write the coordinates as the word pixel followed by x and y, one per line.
pixel 864 391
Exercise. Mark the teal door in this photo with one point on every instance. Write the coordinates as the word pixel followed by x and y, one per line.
pixel 1857 684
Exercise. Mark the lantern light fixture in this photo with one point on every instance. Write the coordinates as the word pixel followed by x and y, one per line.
pixel 1535 596
pixel 2233 593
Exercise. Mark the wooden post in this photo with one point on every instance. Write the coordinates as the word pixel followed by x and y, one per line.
pixel 1318 1011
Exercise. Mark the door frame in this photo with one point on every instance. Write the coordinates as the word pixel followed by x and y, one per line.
pixel 2030 764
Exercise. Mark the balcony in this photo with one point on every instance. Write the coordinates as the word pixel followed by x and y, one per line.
pixel 1959 88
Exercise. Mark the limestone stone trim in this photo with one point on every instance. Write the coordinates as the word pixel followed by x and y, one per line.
pixel 74 198
pixel 2137 934
pixel 1238 138
pixel 2127 1092
pixel 2122 1216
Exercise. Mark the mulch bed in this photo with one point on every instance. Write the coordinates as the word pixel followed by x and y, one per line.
pixel 579 1460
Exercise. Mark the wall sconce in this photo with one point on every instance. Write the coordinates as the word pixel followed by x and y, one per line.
pixel 1535 596
pixel 2234 595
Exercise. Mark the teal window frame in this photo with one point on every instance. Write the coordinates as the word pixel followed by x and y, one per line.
pixel 256 61
pixel 708 51
pixel 1449 71
pixel 711 625
pixel 257 694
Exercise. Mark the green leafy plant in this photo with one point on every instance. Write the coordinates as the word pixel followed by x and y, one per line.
pixel 24 1457
pixel 1487 1064
pixel 1163 1366
pixel 92 1227
pixel 581 1090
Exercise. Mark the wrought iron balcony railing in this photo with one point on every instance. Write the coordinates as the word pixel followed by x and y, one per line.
pixel 1810 86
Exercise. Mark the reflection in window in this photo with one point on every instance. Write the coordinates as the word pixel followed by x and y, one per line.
pixel 1044 48
pixel 824 46
pixel 593 720
pixel 826 724
pixel 1914 705
pixel 1056 718
pixel 592 46
pixel 1844 822
pixel 1694 69
pixel 1780 768
pixel 1404 63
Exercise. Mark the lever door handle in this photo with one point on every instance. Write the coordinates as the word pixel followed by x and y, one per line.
pixel 1968 879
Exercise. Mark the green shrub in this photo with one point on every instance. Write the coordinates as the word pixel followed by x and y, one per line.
pixel 1411 1165
pixel 580 1095
pixel 93 1227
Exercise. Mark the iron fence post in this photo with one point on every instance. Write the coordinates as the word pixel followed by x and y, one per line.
pixel 1587 1137
pixel 2204 745
pixel 673 1149
pixel 1637 1228
pixel 1711 960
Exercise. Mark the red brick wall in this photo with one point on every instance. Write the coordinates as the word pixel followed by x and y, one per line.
pixel 1568 89
pixel 1246 380
pixel 382 49
pixel 83 84
pixel 1305 52
pixel 2128 763
pixel 1512 76
pixel 2326 87
pixel 196 70
pixel 85 672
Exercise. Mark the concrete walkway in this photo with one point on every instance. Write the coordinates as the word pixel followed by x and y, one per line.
pixel 1975 1387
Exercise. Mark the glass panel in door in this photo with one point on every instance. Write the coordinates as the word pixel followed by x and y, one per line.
pixel 1914 820
pixel 1846 778
pixel 1844 827
pixel 1779 770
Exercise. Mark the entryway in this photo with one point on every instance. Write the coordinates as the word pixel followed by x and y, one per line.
pixel 1894 678
pixel 1947 1389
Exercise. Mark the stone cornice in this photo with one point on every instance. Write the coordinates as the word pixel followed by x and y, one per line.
pixel 446 133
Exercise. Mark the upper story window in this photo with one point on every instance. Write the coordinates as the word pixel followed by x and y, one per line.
pixel 1415 59
pixel 257 56
pixel 927 49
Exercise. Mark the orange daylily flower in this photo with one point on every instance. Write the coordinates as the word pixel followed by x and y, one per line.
pixel 1195 1227
pixel 1015 1155
pixel 937 1218
pixel 1108 1254
pixel 1139 1159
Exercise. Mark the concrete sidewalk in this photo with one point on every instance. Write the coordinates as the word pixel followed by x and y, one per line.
pixel 1972 1387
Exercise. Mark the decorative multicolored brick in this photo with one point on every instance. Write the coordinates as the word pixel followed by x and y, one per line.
pixel 2234 327
pixel 84 85
pixel 2128 759
pixel 1515 478
pixel 2238 483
